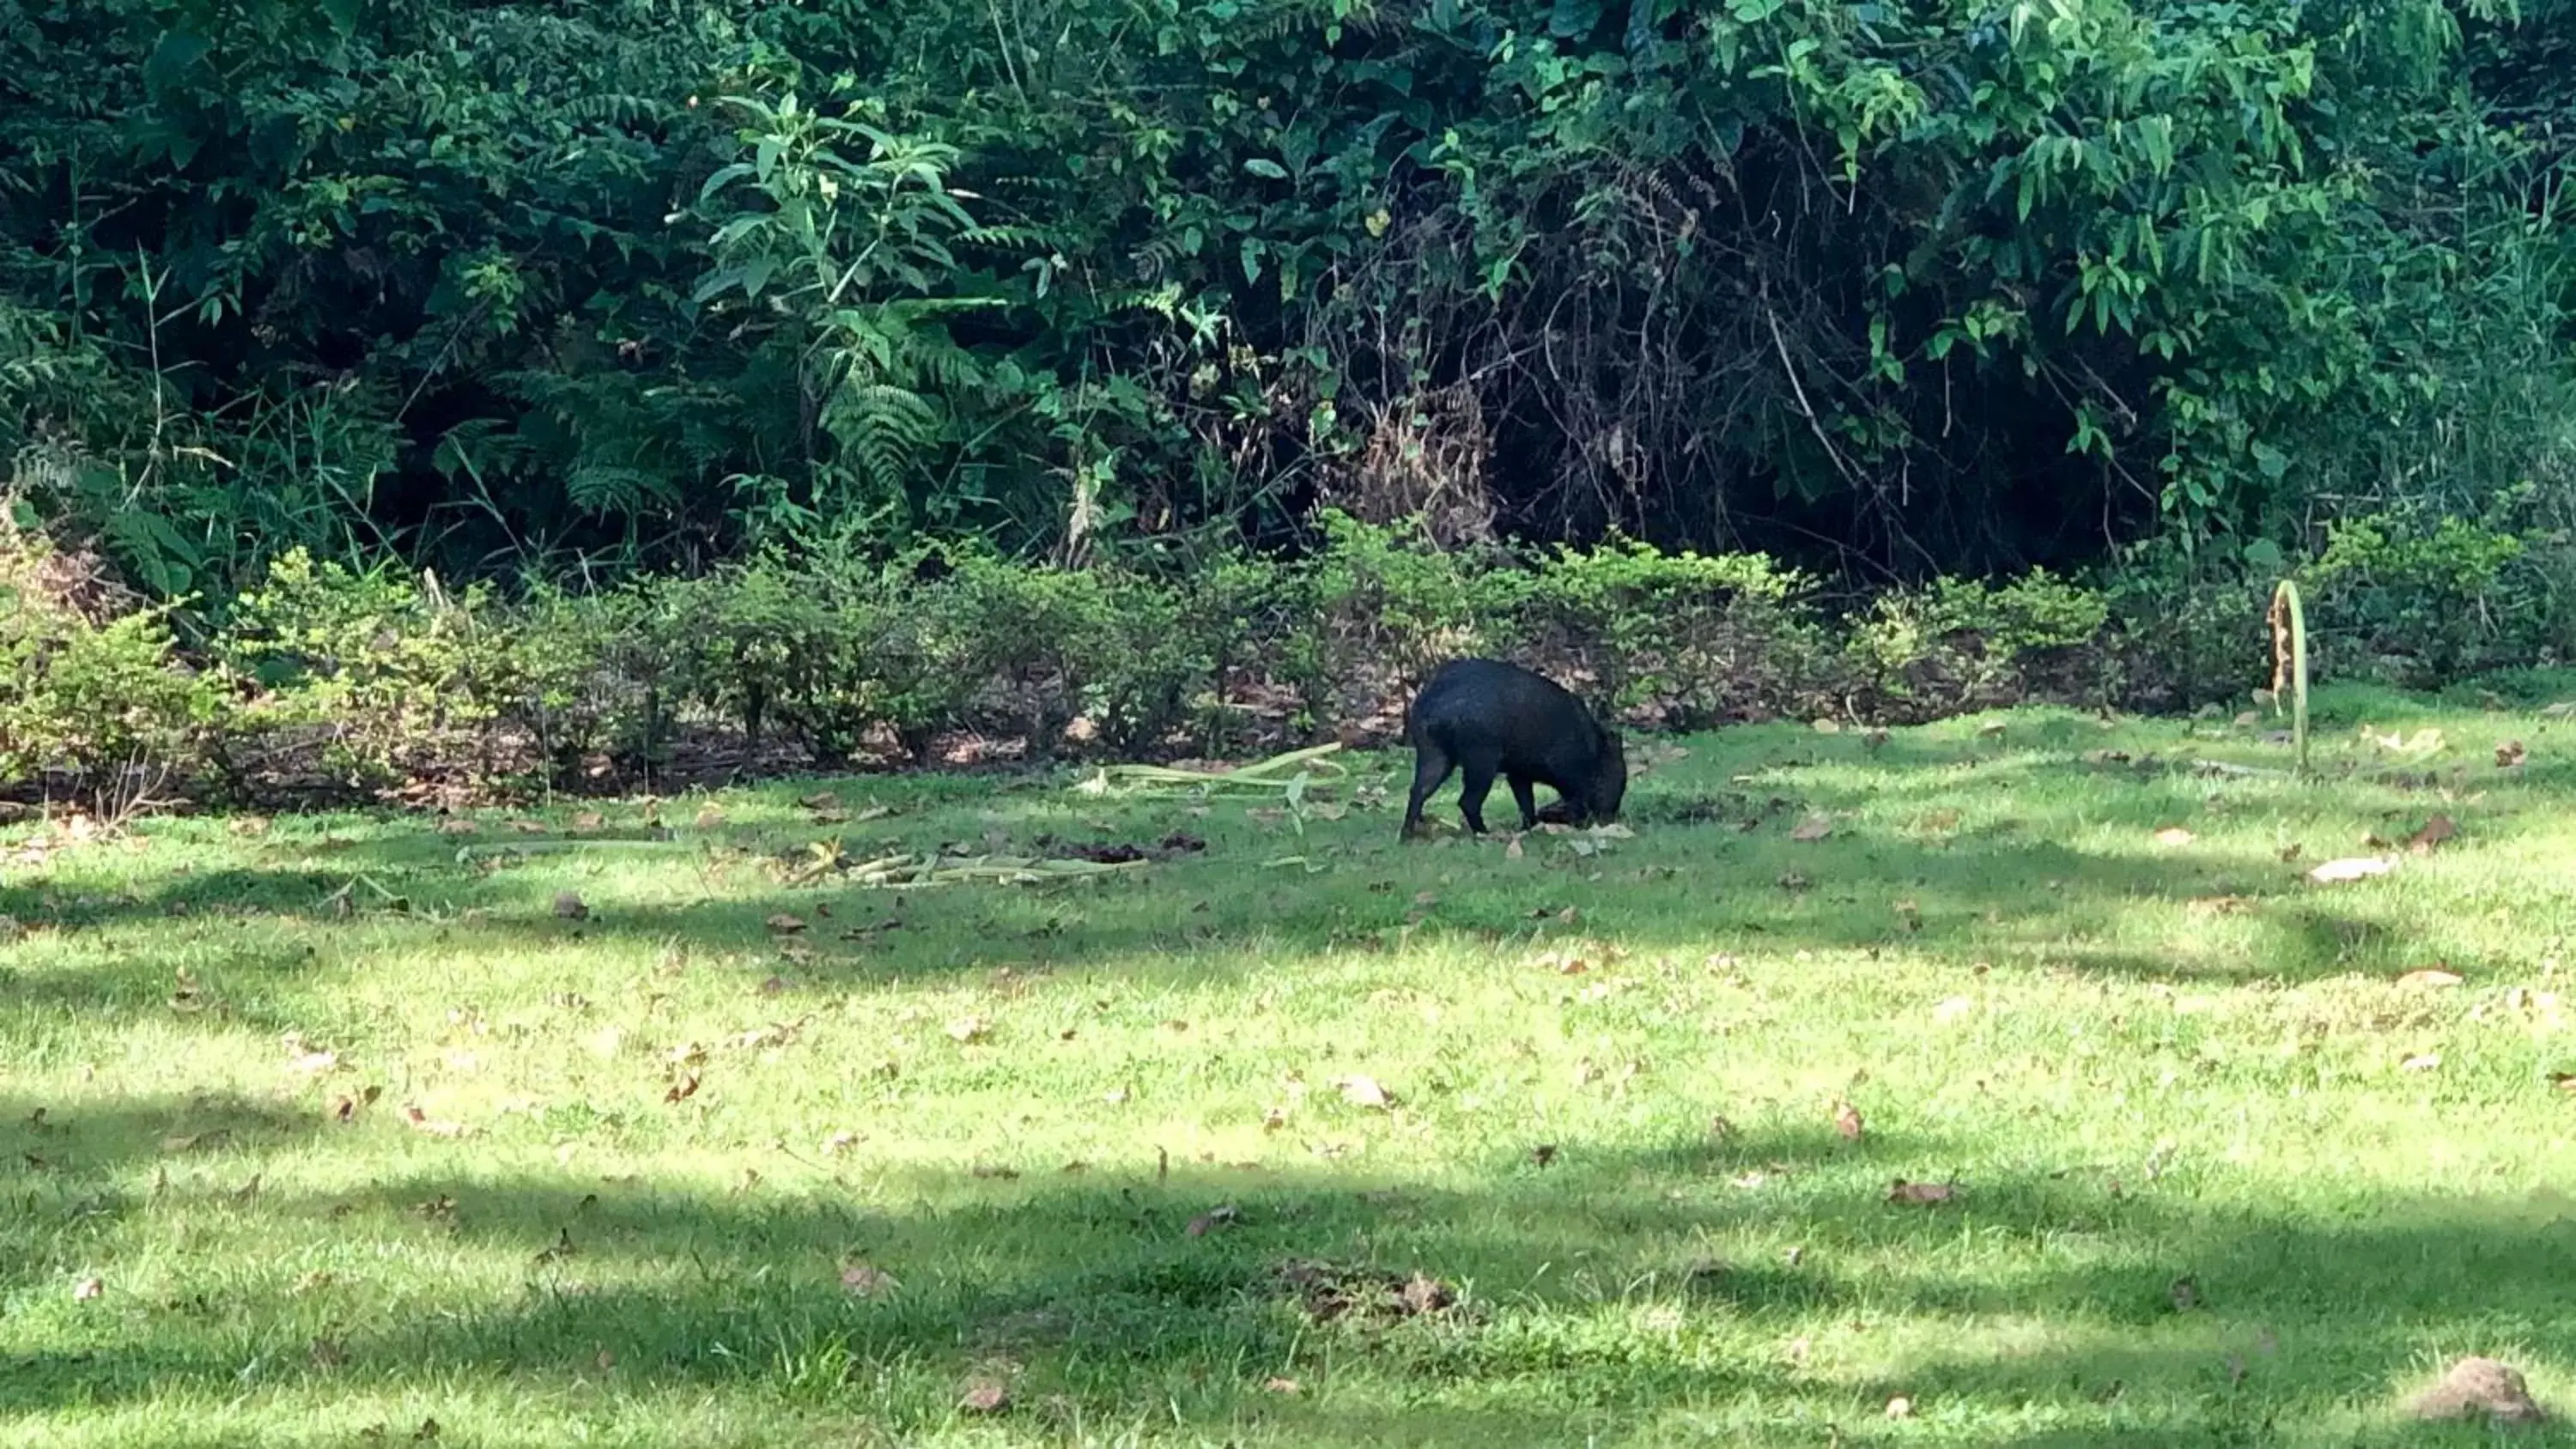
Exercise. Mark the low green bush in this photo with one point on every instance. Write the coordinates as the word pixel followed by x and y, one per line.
pixel 1682 640
pixel 396 675
pixel 2420 600
pixel 97 701
pixel 1966 643
pixel 87 693
pixel 836 654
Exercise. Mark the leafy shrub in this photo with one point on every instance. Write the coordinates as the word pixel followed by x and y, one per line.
pixel 827 646
pixel 2421 600
pixel 1965 642
pixel 834 651
pixel 1263 629
pixel 2186 630
pixel 1691 639
pixel 587 678
pixel 393 670
pixel 1154 660
pixel 87 689
pixel 96 700
pixel 1391 608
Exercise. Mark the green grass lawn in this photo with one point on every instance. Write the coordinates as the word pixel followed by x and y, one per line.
pixel 285 1164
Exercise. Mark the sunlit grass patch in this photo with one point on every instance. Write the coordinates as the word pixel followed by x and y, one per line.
pixel 1310 1137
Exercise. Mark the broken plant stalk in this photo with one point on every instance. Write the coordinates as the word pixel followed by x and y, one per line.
pixel 2290 663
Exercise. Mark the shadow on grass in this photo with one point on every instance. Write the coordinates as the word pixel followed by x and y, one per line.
pixel 2027 887
pixel 1635 1293
pixel 1698 889
pixel 68 1177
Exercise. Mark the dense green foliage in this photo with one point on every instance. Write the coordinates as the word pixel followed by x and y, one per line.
pixel 1930 285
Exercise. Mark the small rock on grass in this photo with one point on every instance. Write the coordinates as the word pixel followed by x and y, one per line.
pixel 2480 1388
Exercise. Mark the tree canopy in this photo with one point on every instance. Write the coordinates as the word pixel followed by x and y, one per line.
pixel 1903 285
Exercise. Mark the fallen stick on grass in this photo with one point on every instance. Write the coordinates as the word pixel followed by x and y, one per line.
pixel 1290 773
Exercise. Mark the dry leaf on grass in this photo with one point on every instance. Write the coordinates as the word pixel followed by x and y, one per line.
pixel 2480 1388
pixel 785 924
pixel 2435 831
pixel 864 1281
pixel 88 1288
pixel 2511 753
pixel 1921 1194
pixel 1363 1091
pixel 422 1121
pixel 1328 1291
pixel 1847 1120
pixel 1211 1220
pixel 2430 977
pixel 1814 827
pixel 2351 868
pixel 985 1398
pixel 967 1030
pixel 683 1089
pixel 2173 835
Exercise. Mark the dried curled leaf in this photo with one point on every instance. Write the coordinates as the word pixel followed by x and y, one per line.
pixel 1847 1120
pixel 2351 868
pixel 2435 831
pixel 1213 1219
pixel 1364 1091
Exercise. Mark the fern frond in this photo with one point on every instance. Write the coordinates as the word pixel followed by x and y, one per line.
pixel 884 429
pixel 609 490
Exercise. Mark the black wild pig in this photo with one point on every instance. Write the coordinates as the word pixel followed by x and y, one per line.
pixel 1489 718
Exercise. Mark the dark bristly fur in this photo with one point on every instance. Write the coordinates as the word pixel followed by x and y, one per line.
pixel 1489 718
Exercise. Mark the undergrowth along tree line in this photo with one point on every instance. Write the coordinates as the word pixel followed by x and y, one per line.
pixel 1887 290
pixel 322 681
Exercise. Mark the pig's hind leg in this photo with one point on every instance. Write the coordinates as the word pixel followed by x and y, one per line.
pixel 1431 767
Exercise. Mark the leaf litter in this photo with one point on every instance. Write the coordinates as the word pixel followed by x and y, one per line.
pixel 1337 1293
